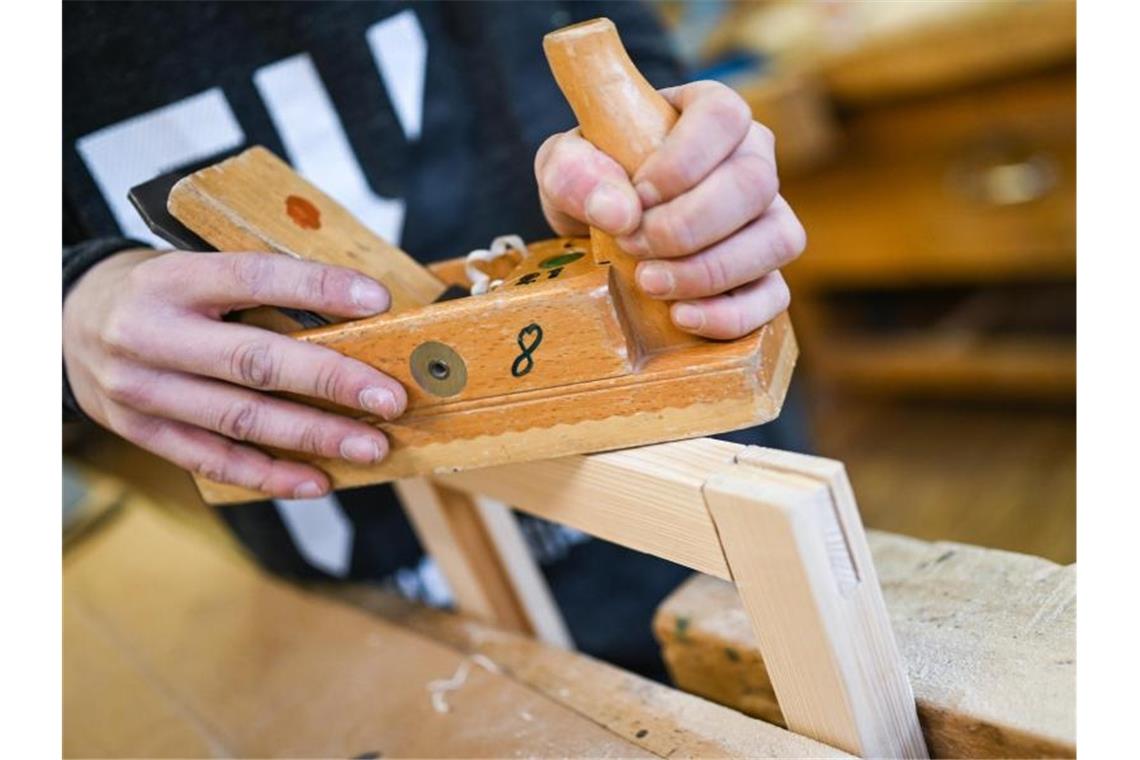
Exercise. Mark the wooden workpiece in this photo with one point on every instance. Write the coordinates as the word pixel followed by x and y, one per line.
pixel 785 529
pixel 566 356
pixel 176 647
pixel 988 638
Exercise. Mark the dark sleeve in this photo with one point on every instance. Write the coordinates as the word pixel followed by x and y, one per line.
pixel 77 260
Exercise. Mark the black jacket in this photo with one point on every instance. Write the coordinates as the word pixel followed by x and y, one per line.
pixel 422 118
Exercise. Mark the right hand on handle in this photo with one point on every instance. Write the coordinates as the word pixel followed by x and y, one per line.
pixel 149 357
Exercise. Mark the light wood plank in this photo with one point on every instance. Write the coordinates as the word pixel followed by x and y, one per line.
pixel 988 638
pixel 797 554
pixel 451 531
pixel 648 498
pixel 247 666
pixel 530 587
pixel 774 523
pixel 661 720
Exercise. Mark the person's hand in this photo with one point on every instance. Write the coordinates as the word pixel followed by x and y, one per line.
pixel 148 357
pixel 703 212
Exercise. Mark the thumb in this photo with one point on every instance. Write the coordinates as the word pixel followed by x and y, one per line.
pixel 579 184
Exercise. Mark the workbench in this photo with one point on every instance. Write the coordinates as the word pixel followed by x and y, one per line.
pixel 176 645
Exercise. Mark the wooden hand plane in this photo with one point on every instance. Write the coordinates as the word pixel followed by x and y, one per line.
pixel 565 356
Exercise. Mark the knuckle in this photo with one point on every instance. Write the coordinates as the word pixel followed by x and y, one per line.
pixel 254 365
pixel 229 464
pixel 311 440
pixel 720 322
pixel 252 271
pixel 756 178
pixel 239 420
pixel 542 157
pixel 562 176
pixel 791 239
pixel 140 432
pixel 728 110
pixel 320 286
pixel 124 386
pixel 329 381
pixel 741 323
pixel 765 135
pixel 213 468
pixel 714 275
pixel 670 232
pixel 119 333
pixel 782 295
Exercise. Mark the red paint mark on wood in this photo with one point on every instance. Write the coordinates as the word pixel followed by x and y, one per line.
pixel 303 212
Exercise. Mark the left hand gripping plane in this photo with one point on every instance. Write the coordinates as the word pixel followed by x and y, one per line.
pixel 563 356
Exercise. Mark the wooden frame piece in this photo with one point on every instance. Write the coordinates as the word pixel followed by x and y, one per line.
pixel 783 527
pixel 484 557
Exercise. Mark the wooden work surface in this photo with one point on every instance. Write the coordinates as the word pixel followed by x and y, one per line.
pixel 174 646
pixel 989 640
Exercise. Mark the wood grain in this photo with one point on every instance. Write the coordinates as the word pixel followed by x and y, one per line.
pixel 255 202
pixel 620 113
pixel 208 656
pixel 705 389
pixel 174 647
pixel 647 499
pixel 484 558
pixel 785 529
pixel 988 638
pixel 794 542
pixel 664 721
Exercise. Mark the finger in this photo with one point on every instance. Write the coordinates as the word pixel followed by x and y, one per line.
pixel 770 242
pixel 216 458
pixel 245 415
pixel 229 281
pixel 713 123
pixel 578 183
pixel 561 222
pixel 736 313
pixel 258 359
pixel 734 194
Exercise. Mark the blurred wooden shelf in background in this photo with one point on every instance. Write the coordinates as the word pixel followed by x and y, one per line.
pixel 925 147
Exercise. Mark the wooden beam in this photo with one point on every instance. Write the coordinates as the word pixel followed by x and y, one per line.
pixel 988 638
pixel 798 555
pixel 482 554
pixel 648 498
pixel 664 721
pixel 527 582
pixel 772 522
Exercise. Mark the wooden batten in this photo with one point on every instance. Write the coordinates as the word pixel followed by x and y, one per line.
pixel 988 638
pixel 785 529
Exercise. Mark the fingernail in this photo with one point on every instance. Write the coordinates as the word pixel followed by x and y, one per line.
pixel 307 490
pixel 655 279
pixel 360 448
pixel 369 295
pixel 688 316
pixel 609 208
pixel 648 194
pixel 635 244
pixel 380 401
